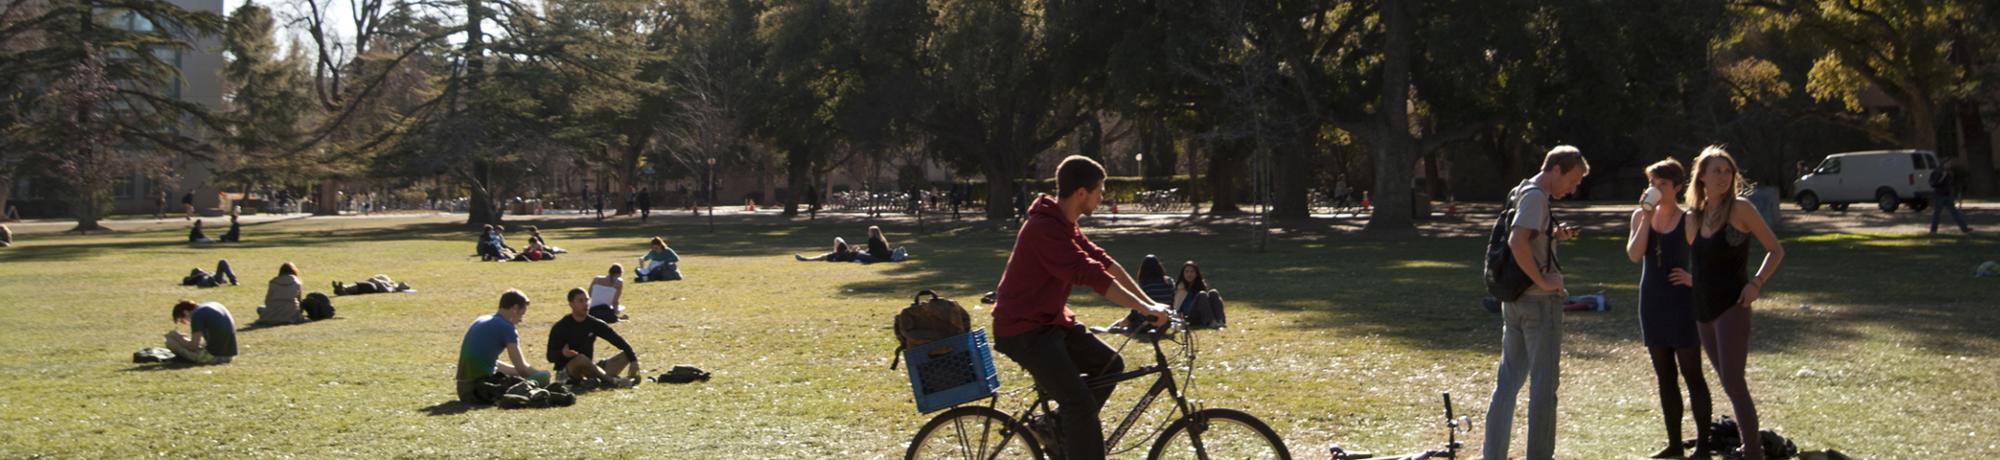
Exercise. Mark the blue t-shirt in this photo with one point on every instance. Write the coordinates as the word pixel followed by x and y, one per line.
pixel 488 337
pixel 217 328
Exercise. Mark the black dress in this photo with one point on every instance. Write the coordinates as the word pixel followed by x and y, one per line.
pixel 1720 271
pixel 1666 311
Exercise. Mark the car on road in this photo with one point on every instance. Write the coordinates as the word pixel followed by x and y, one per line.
pixel 1888 178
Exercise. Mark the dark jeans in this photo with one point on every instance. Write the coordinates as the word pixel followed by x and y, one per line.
pixel 1939 203
pixel 207 279
pixel 1060 359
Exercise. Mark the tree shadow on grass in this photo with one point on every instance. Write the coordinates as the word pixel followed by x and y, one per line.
pixel 42 251
pixel 1425 292
pixel 452 407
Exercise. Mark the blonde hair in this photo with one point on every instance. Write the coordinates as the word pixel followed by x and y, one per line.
pixel 1697 198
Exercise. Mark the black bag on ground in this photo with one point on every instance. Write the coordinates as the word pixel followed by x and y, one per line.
pixel 1724 437
pixel 926 321
pixel 682 373
pixel 317 306
pixel 1503 276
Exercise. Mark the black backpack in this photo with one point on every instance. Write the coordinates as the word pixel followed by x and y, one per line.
pixel 926 321
pixel 1504 279
pixel 317 306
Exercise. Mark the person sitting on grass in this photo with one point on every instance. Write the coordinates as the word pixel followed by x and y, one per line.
pixel 573 342
pixel 489 335
pixel 235 233
pixel 535 238
pixel 211 337
pixel 373 285
pixel 204 278
pixel 6 236
pixel 1156 285
pixel 492 247
pixel 281 300
pixel 1201 305
pixel 878 249
pixel 659 264
pixel 605 293
pixel 196 236
pixel 841 253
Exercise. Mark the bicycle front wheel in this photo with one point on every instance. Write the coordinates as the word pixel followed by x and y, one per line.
pixel 1219 434
pixel 973 432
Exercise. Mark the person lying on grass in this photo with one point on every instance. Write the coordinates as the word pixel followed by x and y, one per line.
pixel 573 342
pixel 373 285
pixel 605 293
pixel 204 278
pixel 489 335
pixel 211 337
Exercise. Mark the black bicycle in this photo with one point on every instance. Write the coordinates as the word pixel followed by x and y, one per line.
pixel 1453 426
pixel 984 432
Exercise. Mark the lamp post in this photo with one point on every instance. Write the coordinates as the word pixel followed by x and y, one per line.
pixel 711 195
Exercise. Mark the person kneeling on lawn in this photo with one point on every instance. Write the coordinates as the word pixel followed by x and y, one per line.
pixel 479 353
pixel 573 341
pixel 211 337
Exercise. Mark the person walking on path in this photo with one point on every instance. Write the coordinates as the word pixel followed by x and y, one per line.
pixel 1944 195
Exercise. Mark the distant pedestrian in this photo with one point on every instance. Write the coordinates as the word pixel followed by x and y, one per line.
pixel 600 205
pixel 645 204
pixel 187 203
pixel 1944 195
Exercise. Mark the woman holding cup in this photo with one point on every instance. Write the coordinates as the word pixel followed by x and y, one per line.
pixel 1658 242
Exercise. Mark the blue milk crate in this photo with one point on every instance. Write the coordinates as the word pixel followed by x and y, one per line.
pixel 951 371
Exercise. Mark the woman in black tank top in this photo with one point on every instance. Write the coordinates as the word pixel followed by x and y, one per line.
pixel 1666 308
pixel 1719 228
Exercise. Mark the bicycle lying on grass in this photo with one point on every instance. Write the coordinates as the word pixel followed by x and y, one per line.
pixel 1453 426
pixel 984 432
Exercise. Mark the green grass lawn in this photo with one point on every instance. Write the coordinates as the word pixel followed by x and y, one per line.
pixel 1332 339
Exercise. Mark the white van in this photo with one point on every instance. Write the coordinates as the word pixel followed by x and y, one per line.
pixel 1889 178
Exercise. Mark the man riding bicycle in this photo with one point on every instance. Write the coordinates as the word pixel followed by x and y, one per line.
pixel 1032 322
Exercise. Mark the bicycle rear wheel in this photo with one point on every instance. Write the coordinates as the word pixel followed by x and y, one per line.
pixel 1219 434
pixel 973 432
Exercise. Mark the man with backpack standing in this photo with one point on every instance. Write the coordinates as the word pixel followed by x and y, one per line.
pixel 1531 341
pixel 1032 322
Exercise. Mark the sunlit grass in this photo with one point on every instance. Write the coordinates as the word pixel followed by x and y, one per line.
pixel 1881 346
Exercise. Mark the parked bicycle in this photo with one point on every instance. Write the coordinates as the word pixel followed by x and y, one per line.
pixel 1453 426
pixel 984 432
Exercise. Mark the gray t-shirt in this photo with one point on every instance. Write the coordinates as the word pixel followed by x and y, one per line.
pixel 1531 211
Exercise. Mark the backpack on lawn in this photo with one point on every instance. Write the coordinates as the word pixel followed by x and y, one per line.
pixel 682 373
pixel 317 306
pixel 926 321
pixel 1504 279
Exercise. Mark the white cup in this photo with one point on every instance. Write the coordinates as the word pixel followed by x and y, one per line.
pixel 1650 199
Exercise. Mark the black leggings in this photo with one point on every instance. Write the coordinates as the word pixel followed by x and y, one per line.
pixel 1685 362
pixel 1727 340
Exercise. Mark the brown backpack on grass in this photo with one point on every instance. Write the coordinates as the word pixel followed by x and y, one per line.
pixel 926 321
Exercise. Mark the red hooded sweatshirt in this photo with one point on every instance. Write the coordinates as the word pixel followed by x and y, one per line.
pixel 1050 256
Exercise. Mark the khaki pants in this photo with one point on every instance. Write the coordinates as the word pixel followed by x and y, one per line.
pixel 581 366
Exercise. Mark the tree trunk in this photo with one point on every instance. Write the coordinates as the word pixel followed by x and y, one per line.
pixel 1976 145
pixel 1292 181
pixel 999 196
pixel 481 209
pixel 798 175
pixel 1394 148
pixel 6 188
pixel 1224 165
pixel 323 200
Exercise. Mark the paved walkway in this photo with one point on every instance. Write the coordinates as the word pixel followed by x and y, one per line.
pixel 1471 219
